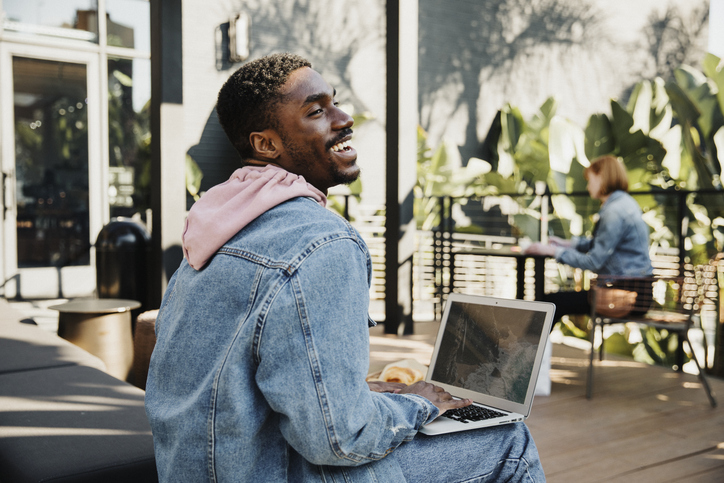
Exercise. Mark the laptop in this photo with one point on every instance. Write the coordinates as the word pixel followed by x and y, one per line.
pixel 489 350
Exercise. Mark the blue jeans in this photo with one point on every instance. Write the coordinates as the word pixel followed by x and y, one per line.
pixel 501 453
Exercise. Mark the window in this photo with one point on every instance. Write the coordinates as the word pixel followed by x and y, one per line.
pixel 129 24
pixel 73 19
pixel 129 135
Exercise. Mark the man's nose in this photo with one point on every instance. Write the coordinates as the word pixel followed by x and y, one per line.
pixel 342 119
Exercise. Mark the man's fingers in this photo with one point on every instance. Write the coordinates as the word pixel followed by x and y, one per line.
pixel 460 403
pixel 437 395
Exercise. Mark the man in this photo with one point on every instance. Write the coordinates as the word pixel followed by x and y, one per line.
pixel 259 370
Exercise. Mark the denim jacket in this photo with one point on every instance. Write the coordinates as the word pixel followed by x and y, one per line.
pixel 620 245
pixel 258 373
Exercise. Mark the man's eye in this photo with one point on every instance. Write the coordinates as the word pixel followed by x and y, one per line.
pixel 314 113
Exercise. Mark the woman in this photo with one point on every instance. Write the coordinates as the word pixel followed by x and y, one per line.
pixel 620 242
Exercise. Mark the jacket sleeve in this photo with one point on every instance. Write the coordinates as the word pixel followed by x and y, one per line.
pixel 581 244
pixel 611 230
pixel 313 359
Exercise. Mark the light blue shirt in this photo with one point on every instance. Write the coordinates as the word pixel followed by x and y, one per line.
pixel 621 245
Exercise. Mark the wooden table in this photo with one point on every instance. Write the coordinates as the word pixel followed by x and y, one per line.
pixel 511 252
pixel 101 327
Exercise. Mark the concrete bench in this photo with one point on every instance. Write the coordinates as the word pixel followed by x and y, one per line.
pixel 62 418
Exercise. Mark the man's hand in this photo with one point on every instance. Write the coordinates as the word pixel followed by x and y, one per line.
pixel 442 399
pixel 381 386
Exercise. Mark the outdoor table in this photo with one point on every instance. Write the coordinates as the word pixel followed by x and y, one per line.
pixel 513 252
pixel 101 327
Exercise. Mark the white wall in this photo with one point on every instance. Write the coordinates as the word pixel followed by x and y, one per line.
pixel 522 63
pixel 343 40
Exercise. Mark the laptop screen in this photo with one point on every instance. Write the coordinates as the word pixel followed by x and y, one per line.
pixel 490 349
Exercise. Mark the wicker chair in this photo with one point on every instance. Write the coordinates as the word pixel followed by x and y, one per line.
pixel 144 341
pixel 671 303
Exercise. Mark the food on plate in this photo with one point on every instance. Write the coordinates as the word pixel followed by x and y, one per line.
pixel 405 375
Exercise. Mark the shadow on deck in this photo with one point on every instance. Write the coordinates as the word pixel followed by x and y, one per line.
pixel 643 424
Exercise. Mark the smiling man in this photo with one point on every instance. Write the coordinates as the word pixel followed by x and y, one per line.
pixel 258 373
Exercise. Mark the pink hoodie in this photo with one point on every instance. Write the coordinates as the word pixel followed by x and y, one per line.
pixel 227 208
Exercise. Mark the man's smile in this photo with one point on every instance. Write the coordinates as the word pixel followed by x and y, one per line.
pixel 343 146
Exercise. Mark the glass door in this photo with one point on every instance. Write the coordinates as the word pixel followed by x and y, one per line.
pixel 51 206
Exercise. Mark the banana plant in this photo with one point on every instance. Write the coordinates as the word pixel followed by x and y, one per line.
pixel 521 151
pixel 698 103
pixel 668 136
pixel 437 177
pixel 519 163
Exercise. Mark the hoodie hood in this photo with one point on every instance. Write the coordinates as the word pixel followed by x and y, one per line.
pixel 227 208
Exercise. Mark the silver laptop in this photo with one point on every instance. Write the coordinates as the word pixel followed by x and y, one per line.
pixel 488 350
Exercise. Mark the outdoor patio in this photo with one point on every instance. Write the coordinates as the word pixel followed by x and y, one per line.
pixel 643 424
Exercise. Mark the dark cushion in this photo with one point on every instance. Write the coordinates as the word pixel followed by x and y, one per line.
pixel 25 347
pixel 73 423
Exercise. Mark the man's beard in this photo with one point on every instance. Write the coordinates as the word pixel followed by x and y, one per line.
pixel 301 157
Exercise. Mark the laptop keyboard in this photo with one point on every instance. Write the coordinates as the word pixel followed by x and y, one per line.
pixel 472 413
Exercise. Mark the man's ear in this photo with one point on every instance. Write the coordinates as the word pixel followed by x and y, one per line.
pixel 266 144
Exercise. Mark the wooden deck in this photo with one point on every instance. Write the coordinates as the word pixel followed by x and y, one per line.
pixel 643 424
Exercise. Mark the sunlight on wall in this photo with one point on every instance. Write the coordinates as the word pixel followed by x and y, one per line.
pixel 716 27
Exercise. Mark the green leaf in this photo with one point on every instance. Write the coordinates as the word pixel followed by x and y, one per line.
pixel 636 148
pixel 511 123
pixel 684 108
pixel 616 343
pixel 566 142
pixel 489 146
pixel 621 120
pixel 123 79
pixel 355 188
pixel 499 183
pixel 719 143
pixel 700 92
pixel 692 143
pixel 631 144
pixel 576 179
pixel 542 118
pixel 712 66
pixel 639 106
pixel 512 126
pixel 599 136
pixel 193 177
pixel 662 114
pixel 361 118
pixel 527 226
pixel 671 141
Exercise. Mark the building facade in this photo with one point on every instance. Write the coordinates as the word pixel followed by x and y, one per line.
pixel 74 134
pixel 103 102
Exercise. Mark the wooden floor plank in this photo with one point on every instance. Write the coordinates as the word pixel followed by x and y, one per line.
pixel 646 418
pixel 704 467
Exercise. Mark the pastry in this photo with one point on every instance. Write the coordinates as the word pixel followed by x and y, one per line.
pixel 405 375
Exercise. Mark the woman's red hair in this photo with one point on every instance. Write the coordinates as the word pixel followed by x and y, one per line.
pixel 612 173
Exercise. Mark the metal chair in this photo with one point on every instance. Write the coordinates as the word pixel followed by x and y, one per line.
pixel 671 303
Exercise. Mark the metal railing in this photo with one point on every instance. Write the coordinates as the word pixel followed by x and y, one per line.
pixel 489 224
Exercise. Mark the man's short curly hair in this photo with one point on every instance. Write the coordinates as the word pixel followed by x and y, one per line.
pixel 247 100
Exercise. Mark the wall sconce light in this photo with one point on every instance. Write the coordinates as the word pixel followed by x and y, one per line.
pixel 239 36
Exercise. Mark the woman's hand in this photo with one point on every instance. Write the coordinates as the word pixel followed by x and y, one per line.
pixel 539 248
pixel 559 242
